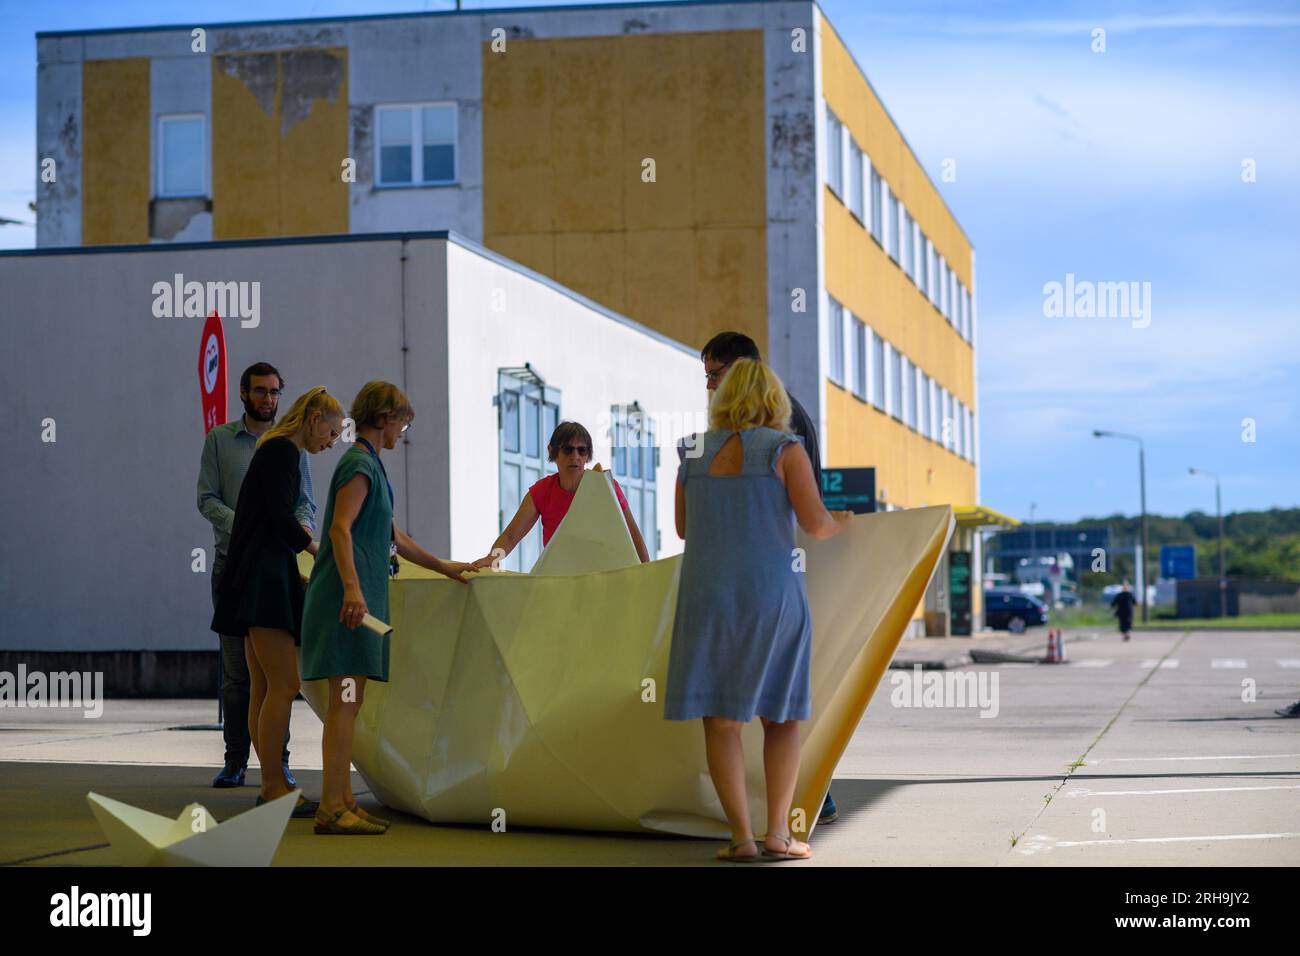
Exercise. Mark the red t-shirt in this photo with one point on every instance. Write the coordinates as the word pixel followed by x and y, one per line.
pixel 552 502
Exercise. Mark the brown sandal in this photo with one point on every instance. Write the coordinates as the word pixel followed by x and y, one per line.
pixel 379 821
pixel 327 823
pixel 785 854
pixel 729 854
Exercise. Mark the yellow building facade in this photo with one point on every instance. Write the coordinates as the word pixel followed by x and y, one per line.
pixel 694 166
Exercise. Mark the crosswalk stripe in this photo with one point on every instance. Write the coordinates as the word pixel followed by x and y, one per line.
pixel 1096 662
pixel 1288 662
pixel 1227 662
pixel 1165 664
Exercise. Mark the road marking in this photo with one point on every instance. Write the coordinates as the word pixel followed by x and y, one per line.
pixel 1227 662
pixel 1218 757
pixel 1085 792
pixel 1289 662
pixel 1096 662
pixel 1167 664
pixel 1040 842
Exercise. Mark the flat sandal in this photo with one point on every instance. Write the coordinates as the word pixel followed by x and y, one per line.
pixel 329 823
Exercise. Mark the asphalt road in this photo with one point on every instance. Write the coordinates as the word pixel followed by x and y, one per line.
pixel 1132 754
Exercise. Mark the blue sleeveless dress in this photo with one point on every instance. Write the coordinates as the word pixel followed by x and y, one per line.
pixel 742 635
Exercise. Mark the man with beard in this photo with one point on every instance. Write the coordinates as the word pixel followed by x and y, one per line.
pixel 227 451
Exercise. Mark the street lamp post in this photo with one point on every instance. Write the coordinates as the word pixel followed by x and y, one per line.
pixel 1218 507
pixel 1142 484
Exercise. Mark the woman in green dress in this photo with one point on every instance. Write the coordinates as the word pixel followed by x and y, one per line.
pixel 360 541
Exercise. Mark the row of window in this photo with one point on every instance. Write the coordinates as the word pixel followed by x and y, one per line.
pixel 528 413
pixel 415 145
pixel 859 185
pixel 879 373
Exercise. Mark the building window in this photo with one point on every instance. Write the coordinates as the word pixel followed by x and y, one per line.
pixel 877 231
pixel 923 402
pixel 895 383
pixel 965 313
pixel 855 180
pixel 636 464
pixel 909 393
pixel 970 435
pixel 415 144
pixel 931 273
pixel 859 358
pixel 835 339
pixel 905 243
pixel 527 411
pixel 182 156
pixel 921 261
pixel 834 154
pixel 954 301
pixel 891 224
pixel 878 372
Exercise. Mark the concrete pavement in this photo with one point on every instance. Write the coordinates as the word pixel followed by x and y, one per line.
pixel 1132 754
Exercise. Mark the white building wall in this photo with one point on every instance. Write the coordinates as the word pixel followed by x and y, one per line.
pixel 595 360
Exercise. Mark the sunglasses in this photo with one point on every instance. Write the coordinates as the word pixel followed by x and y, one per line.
pixel 582 450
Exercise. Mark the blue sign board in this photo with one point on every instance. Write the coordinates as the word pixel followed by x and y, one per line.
pixel 849 489
pixel 1178 561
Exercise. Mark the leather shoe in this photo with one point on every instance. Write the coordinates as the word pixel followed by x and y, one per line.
pixel 232 775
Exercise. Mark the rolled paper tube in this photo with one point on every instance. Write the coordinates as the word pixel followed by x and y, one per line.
pixel 372 623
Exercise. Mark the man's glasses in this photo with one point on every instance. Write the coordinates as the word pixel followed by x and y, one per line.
pixel 712 376
pixel 264 392
pixel 582 450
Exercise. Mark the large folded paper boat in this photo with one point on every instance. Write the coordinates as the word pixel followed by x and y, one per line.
pixel 139 838
pixel 537 699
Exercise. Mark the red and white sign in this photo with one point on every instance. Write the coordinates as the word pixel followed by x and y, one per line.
pixel 212 372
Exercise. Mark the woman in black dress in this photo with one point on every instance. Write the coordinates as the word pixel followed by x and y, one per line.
pixel 261 591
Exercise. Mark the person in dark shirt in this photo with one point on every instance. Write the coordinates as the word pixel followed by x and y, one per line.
pixel 718 354
pixel 1123 604
pixel 260 595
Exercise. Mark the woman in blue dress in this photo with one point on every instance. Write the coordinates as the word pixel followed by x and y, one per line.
pixel 742 635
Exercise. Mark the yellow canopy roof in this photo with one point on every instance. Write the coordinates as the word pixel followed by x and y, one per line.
pixel 974 516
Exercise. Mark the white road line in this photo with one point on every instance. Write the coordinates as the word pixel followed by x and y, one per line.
pixel 1227 662
pixel 1185 839
pixel 1167 665
pixel 1288 662
pixel 1095 662
pixel 1098 760
pixel 1085 792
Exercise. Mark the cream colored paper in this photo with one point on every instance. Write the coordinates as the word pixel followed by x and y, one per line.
pixel 537 699
pixel 140 838
pixel 593 535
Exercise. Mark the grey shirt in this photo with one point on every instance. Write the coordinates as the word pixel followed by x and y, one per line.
pixel 802 425
pixel 227 450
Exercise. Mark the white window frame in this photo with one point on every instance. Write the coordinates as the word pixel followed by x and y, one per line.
pixel 878 383
pixel 922 403
pixel 205 188
pixel 858 344
pixel 895 371
pixel 892 217
pixel 876 189
pixel 856 189
pixel 417 145
pixel 835 335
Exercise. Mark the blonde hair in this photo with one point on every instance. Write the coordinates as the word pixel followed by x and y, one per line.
pixel 377 399
pixel 312 400
pixel 750 395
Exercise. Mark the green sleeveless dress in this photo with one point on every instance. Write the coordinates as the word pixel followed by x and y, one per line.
pixel 329 649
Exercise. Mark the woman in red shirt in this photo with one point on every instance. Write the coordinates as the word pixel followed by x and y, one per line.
pixel 549 499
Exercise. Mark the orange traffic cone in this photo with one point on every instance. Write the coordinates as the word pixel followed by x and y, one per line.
pixel 1052 657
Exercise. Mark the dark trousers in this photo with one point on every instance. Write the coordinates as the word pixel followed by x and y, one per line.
pixel 235 687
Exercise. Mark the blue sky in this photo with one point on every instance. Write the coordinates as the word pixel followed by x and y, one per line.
pixel 1115 166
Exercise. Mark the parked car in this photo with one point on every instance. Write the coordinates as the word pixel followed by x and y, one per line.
pixel 1012 610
